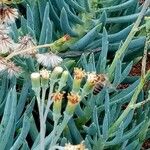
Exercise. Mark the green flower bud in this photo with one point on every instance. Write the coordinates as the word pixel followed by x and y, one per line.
pixel 73 101
pixel 55 73
pixel 63 80
pixel 147 20
pixel 89 85
pixel 79 74
pixel 44 78
pixel 57 98
pixel 35 79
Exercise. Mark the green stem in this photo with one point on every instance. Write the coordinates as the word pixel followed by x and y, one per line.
pixel 121 51
pixel 42 132
pixel 49 101
pixel 132 102
pixel 138 105
pixel 60 129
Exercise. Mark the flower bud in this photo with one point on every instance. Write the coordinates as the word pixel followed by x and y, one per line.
pixel 79 74
pixel 55 73
pixel 44 78
pixel 63 80
pixel 147 20
pixel 90 83
pixel 57 98
pixel 35 79
pixel 73 100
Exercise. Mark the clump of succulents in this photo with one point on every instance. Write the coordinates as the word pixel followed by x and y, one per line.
pixel 53 55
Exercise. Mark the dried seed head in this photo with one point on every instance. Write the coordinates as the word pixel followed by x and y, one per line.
pixel 48 60
pixel 6 44
pixel 4 29
pixel 9 67
pixel 79 73
pixel 3 66
pixel 24 43
pixel 8 15
pixel 13 70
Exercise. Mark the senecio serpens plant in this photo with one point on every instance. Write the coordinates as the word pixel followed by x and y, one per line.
pixel 87 109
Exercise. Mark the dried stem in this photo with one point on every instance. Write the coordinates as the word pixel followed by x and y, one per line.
pixel 27 50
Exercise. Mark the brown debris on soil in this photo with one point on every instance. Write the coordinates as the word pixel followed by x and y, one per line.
pixel 146 145
pixel 136 70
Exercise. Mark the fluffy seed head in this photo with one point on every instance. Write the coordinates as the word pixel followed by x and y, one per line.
pixel 8 15
pixel 24 43
pixel 49 60
pixel 6 44
pixel 9 67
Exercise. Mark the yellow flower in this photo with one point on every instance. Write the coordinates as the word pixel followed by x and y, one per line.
pixel 92 78
pixel 57 96
pixel 79 73
pixel 73 98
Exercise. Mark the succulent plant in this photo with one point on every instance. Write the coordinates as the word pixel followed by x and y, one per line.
pixel 61 65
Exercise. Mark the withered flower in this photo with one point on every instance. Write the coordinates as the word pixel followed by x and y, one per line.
pixel 8 15
pixel 6 44
pixel 13 70
pixel 48 60
pixel 24 43
pixel 9 67
pixel 4 29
